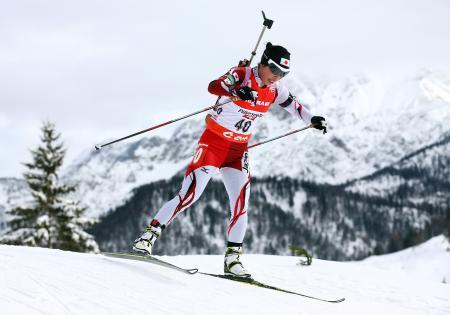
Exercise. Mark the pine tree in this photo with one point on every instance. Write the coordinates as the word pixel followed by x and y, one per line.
pixel 54 220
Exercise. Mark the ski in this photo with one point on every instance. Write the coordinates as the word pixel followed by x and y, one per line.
pixel 254 282
pixel 150 259
pixel 191 271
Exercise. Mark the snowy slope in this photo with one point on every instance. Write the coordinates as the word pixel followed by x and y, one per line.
pixel 42 281
pixel 427 262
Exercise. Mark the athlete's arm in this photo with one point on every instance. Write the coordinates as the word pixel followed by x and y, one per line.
pixel 290 103
pixel 228 83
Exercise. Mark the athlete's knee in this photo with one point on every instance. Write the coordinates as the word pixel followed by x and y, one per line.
pixel 188 184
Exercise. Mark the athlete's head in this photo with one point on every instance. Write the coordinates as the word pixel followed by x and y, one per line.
pixel 274 64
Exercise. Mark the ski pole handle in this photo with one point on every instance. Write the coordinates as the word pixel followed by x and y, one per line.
pixel 266 24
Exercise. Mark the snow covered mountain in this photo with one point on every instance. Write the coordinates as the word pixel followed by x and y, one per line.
pixel 373 123
pixel 396 207
pixel 37 281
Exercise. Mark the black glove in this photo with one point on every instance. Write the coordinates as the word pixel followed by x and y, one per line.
pixel 246 93
pixel 244 63
pixel 319 122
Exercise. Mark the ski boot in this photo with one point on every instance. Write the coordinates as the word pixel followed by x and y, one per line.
pixel 232 266
pixel 145 242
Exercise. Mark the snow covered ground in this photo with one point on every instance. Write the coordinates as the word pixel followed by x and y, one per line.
pixel 43 281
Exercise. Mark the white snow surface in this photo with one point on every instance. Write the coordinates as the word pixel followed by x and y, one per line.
pixel 44 281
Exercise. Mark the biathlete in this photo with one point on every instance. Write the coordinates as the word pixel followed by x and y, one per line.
pixel 223 147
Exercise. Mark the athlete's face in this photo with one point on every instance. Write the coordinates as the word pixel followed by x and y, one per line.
pixel 266 75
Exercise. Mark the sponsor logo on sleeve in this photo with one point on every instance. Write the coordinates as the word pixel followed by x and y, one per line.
pixel 230 79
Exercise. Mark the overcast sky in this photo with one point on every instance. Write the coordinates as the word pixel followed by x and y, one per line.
pixel 103 69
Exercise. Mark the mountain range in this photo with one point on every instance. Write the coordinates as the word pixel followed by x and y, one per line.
pixel 376 182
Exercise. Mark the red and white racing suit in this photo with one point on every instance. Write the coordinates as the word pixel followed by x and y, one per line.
pixel 223 146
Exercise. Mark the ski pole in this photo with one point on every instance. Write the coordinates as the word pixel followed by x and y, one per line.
pixel 282 136
pixel 245 63
pixel 266 24
pixel 99 146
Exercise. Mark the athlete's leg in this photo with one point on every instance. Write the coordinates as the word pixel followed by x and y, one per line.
pixel 197 177
pixel 202 167
pixel 192 188
pixel 236 178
